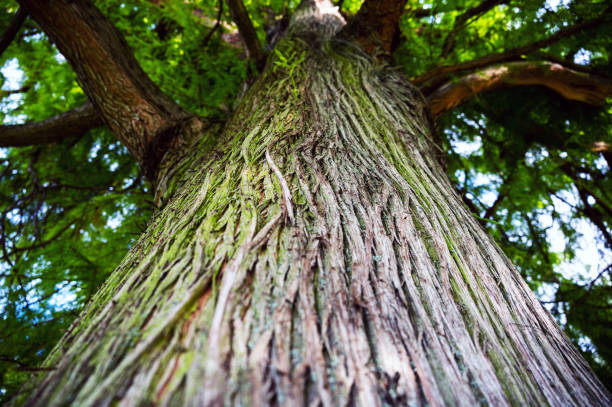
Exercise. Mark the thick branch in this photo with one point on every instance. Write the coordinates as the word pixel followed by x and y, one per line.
pixel 134 108
pixel 439 73
pixel 73 123
pixel 545 56
pixel 247 31
pixel 568 83
pixel 376 24
pixel 462 20
pixel 11 31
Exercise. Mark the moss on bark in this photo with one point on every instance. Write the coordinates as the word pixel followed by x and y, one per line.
pixel 317 254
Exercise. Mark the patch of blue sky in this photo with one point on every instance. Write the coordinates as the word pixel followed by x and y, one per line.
pixel 13 80
pixel 64 296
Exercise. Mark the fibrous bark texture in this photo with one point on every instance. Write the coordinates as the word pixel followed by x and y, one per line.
pixel 133 107
pixel 317 255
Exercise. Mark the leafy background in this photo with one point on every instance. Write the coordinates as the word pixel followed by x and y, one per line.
pixel 522 159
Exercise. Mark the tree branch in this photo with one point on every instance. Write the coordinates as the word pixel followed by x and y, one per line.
pixel 462 20
pixel 247 31
pixel 73 123
pixel 438 74
pixel 592 213
pixel 376 25
pixel 502 193
pixel 11 31
pixel 132 106
pixel 215 27
pixel 545 56
pixel 568 83
pixel 5 93
pixel 421 12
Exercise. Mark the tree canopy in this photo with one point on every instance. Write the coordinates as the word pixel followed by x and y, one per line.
pixel 520 92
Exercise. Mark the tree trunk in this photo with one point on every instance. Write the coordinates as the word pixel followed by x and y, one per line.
pixel 316 255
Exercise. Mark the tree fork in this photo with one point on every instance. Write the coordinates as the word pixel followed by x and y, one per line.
pixel 376 25
pixel 132 106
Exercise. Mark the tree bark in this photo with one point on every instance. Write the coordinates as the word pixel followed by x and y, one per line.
pixel 73 123
pixel 376 25
pixel 570 84
pixel 134 108
pixel 247 31
pixel 13 28
pixel 316 254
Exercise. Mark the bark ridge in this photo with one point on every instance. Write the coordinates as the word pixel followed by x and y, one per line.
pixel 317 255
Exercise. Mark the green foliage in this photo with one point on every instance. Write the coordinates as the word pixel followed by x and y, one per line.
pixel 168 42
pixel 69 212
pixel 523 158
pixel 536 185
pixel 290 63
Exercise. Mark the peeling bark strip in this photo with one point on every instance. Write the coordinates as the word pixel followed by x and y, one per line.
pixel 132 106
pixel 318 256
pixel 570 84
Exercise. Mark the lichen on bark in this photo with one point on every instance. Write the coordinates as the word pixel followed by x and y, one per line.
pixel 316 254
